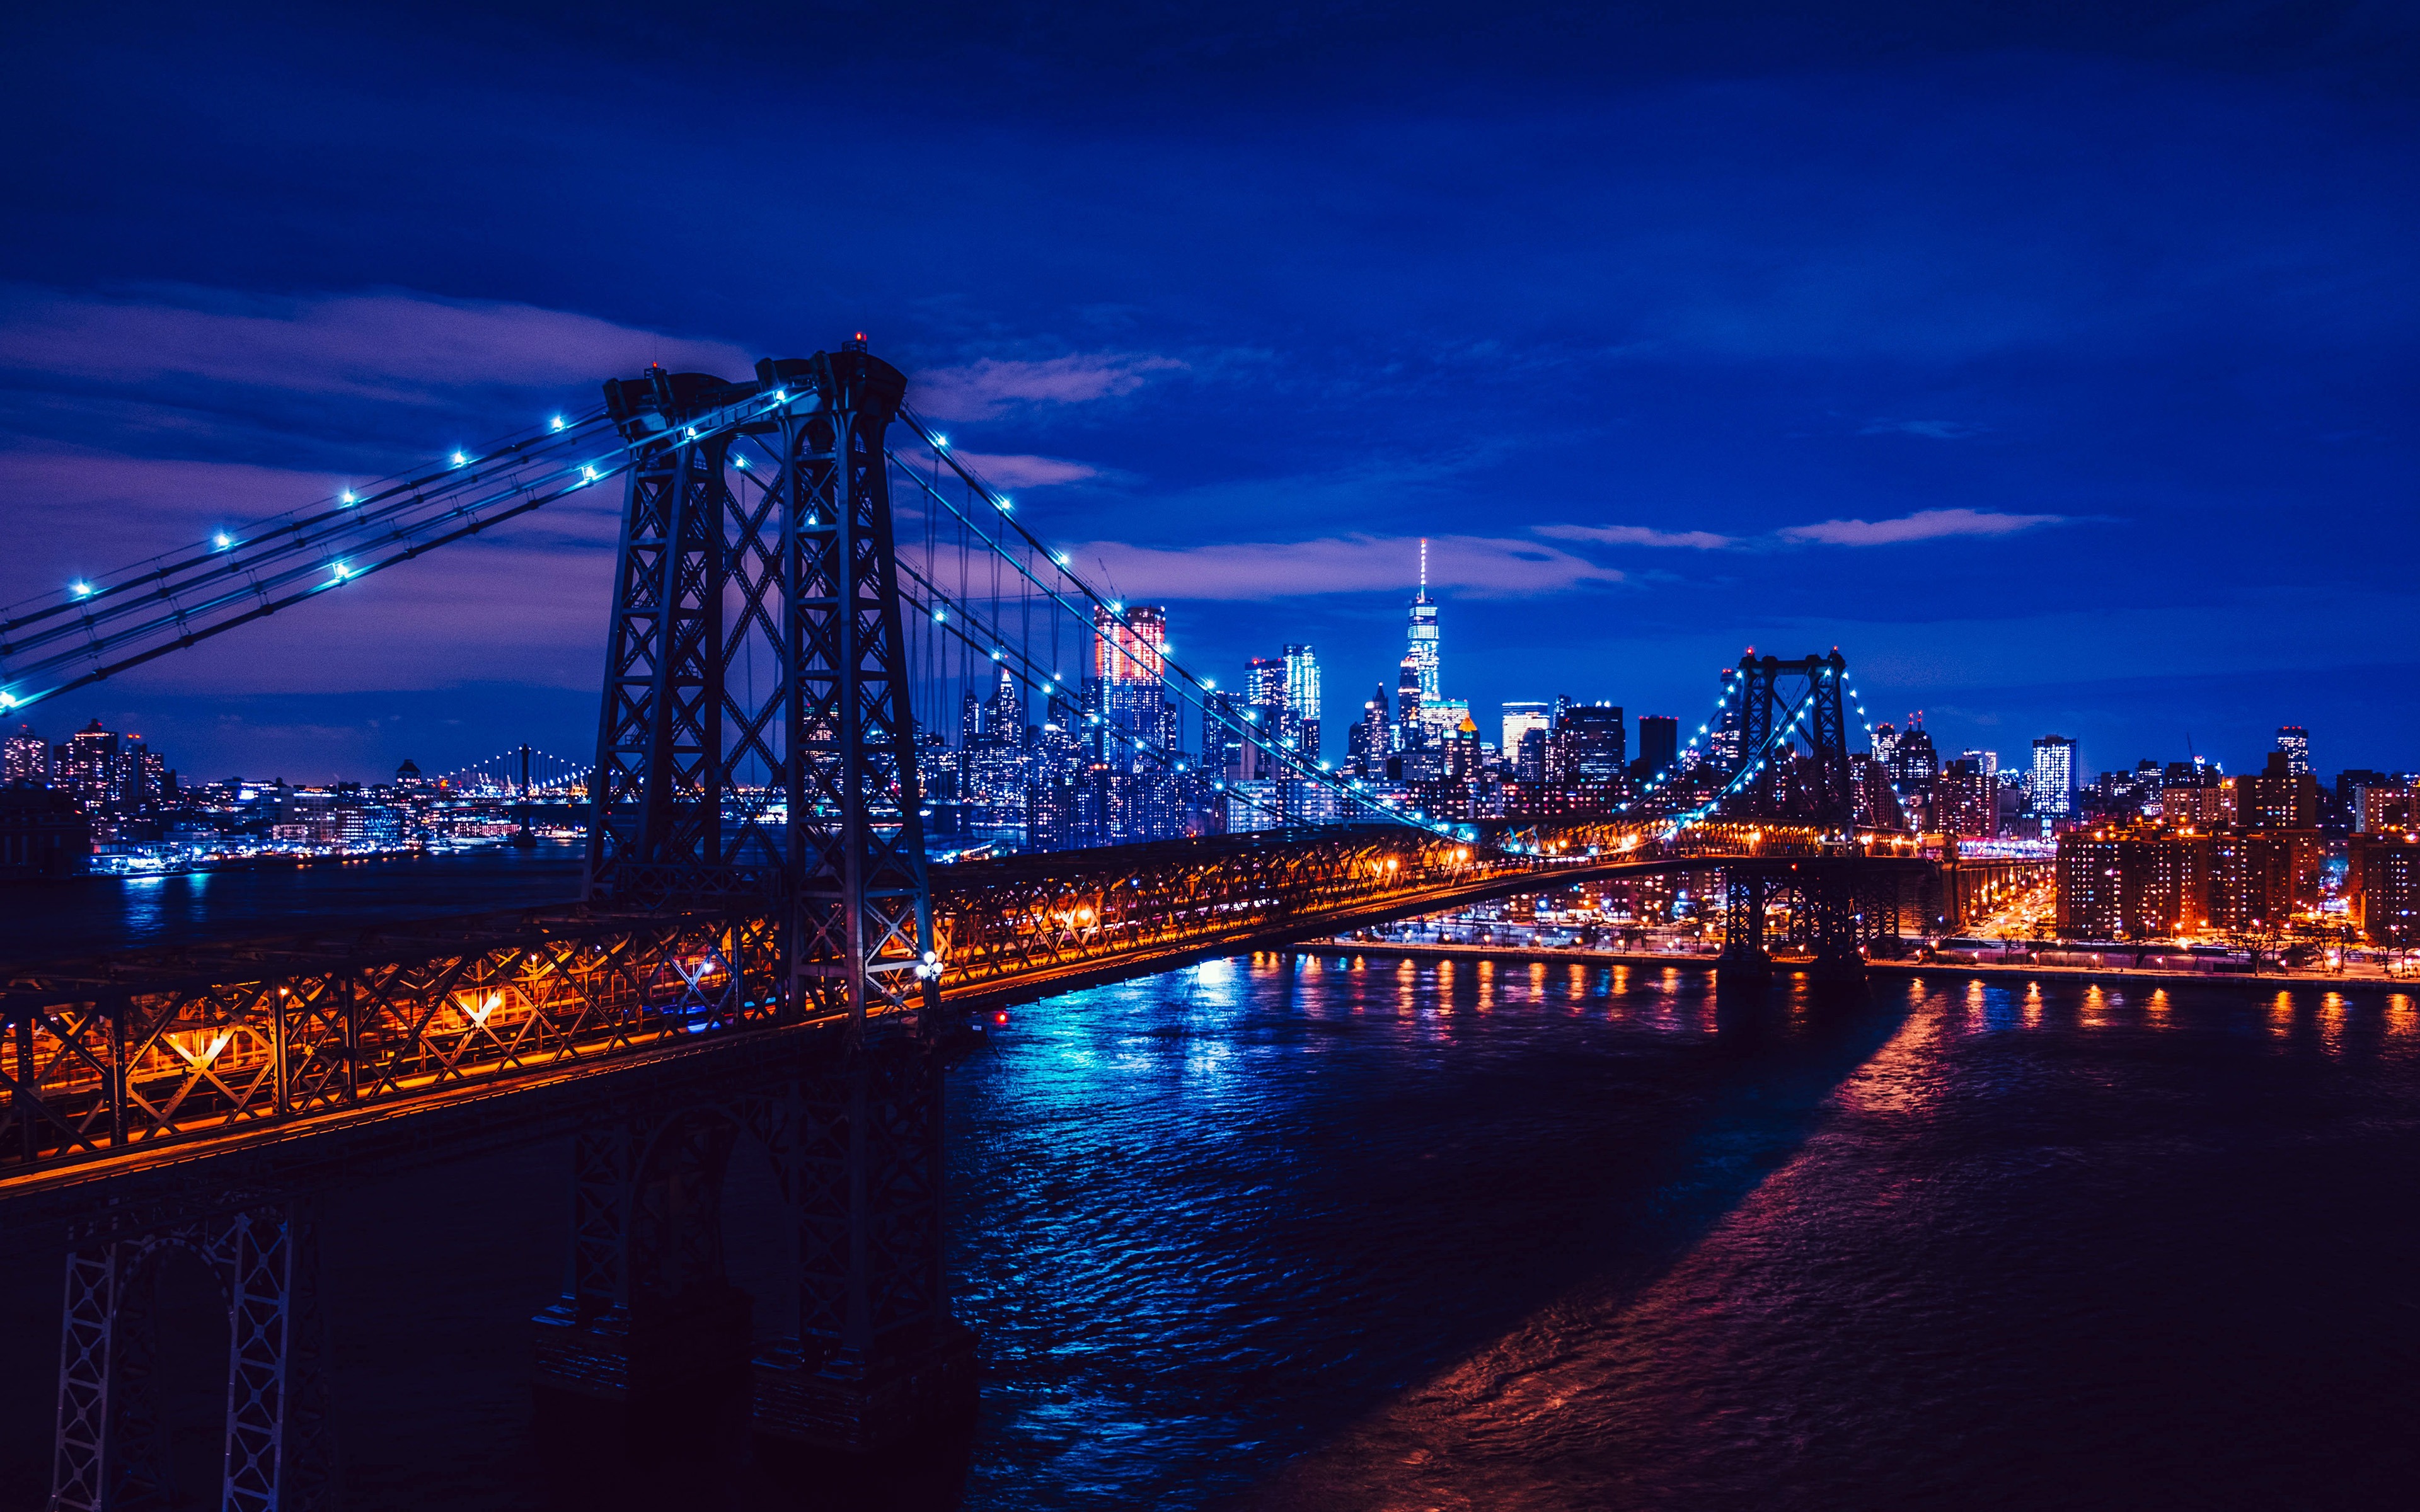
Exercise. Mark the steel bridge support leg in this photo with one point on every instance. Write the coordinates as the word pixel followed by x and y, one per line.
pixel 280 1453
pixel 1744 964
pixel 90 1336
pixel 583 1340
pixel 877 1356
pixel 646 1323
pixel 277 1410
pixel 1831 896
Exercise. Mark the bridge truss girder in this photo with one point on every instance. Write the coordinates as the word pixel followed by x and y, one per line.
pixel 177 1051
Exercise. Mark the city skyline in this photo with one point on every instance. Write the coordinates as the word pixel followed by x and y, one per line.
pixel 1935 418
pixel 1186 756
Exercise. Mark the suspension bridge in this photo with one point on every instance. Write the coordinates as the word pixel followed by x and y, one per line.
pixel 811 585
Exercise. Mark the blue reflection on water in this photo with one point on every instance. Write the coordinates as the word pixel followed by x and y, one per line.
pixel 1377 1233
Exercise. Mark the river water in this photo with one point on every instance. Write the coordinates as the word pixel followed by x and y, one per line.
pixel 1343 1233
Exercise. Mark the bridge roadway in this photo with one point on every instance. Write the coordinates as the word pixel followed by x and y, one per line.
pixel 291 1061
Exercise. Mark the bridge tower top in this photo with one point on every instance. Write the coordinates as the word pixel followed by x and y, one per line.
pixel 1794 734
pixel 755 746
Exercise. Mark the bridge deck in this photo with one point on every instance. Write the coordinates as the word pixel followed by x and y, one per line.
pixel 430 1034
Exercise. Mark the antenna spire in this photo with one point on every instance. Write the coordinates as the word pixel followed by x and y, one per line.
pixel 1424 566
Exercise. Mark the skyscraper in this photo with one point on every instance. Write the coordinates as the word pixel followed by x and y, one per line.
pixel 1407 694
pixel 2052 786
pixel 90 768
pixel 1302 696
pixel 1302 681
pixel 1264 684
pixel 1519 720
pixel 1530 757
pixel 1912 764
pixel 1370 744
pixel 25 758
pixel 1129 660
pixel 1590 744
pixel 1421 656
pixel 2295 742
pixel 1659 743
pixel 1724 742
pixel 1133 651
pixel 1965 800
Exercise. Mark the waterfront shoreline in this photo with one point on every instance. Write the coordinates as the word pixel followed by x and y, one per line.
pixel 1553 955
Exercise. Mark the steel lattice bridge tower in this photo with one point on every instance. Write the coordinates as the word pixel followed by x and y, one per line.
pixel 761 967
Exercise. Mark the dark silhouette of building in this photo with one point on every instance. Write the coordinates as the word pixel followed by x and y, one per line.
pixel 1659 745
pixel 42 834
pixel 1369 744
pixel 1530 762
pixel 1913 766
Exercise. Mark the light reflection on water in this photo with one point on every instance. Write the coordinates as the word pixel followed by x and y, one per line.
pixel 1615 1244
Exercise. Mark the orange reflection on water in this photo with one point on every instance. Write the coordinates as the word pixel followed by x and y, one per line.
pixel 2281 1014
pixel 2401 1018
pixel 1904 1076
pixel 2158 1011
pixel 2033 1009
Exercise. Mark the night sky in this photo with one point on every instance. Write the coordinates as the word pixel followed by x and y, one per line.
pixel 2056 361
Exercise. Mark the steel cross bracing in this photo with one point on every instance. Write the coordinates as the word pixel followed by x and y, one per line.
pixel 1824 774
pixel 111 1450
pixel 150 1050
pixel 799 543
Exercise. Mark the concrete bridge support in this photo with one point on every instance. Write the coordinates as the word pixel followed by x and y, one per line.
pixel 864 1352
pixel 111 1449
